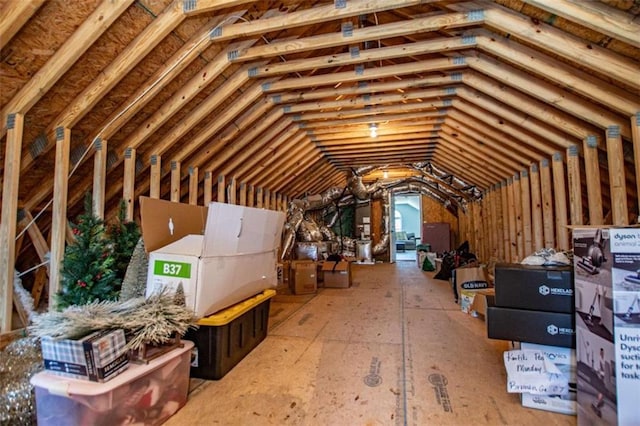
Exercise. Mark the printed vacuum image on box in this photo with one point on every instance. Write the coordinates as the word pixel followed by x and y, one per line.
pixel 606 265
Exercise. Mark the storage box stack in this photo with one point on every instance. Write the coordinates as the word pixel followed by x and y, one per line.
pixel 304 276
pixel 534 305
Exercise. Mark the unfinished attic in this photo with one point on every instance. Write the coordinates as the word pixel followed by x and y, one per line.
pixel 510 122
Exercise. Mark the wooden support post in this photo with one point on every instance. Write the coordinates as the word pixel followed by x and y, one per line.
pixel 208 187
pixel 617 183
pixel 193 185
pixel 574 185
pixel 243 194
pixel 11 179
pixel 517 199
pixel 635 139
pixel 232 191
pixel 499 250
pixel 560 198
pixel 39 284
pixel 525 185
pixel 267 198
pixel 506 243
pixel 285 203
pixel 99 176
pixel 155 176
pixel 259 198
pixel 251 196
pixel 273 201
pixel 59 211
pixel 546 188
pixel 222 188
pixel 175 195
pixel 129 182
pixel 278 202
pixel 513 227
pixel 536 209
pixel 593 180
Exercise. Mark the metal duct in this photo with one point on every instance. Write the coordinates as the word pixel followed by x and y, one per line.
pixel 309 231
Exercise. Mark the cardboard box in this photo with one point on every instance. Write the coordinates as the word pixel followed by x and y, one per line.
pixel 541 288
pixel 607 286
pixel 546 328
pixel 337 274
pixel 98 357
pixel 222 340
pixel 565 360
pixel 283 271
pixel 304 276
pixel 234 259
pixel 144 394
pixel 481 301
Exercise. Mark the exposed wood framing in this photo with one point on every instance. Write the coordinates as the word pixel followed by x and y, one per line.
pixel 536 208
pixel 129 182
pixel 155 176
pixel 208 188
pixel 546 188
pixel 592 174
pixel 560 201
pixel 193 185
pixel 574 188
pixel 619 210
pixel 175 182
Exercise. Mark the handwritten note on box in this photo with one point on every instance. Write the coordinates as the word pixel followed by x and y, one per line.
pixel 531 371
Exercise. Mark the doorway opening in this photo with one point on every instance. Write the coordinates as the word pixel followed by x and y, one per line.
pixel 406 225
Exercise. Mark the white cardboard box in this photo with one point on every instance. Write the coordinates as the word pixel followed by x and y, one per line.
pixel 234 259
pixel 565 360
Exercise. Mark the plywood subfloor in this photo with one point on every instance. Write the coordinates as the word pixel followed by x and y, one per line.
pixel 392 350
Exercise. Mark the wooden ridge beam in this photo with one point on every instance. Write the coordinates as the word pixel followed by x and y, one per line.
pixel 347 131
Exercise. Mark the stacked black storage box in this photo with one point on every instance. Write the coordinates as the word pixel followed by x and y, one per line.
pixel 533 304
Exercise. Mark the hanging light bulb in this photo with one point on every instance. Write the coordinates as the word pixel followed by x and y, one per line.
pixel 385 174
pixel 373 130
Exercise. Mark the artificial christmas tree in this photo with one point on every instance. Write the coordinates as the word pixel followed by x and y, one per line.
pixel 123 236
pixel 88 272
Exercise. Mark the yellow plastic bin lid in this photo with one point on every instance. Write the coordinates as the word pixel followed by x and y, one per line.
pixel 232 312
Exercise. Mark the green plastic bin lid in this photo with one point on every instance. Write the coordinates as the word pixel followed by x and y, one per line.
pixel 225 316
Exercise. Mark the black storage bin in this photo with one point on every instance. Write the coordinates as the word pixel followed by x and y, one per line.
pixel 541 288
pixel 225 338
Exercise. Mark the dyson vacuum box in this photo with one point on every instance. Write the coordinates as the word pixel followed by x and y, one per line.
pixel 235 257
pixel 607 286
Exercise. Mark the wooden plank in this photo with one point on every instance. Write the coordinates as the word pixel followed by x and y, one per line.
pixel 506 241
pixel 75 46
pixel 259 197
pixel 363 56
pixel 99 176
pixel 191 8
pixel 499 222
pixel 39 285
pixel 267 198
pixel 517 203
pixel 14 15
pixel 242 194
pixel 522 108
pixel 221 189
pixel 560 201
pixel 362 34
pixel 208 187
pixel 176 178
pixel 617 183
pixel 546 37
pixel 548 93
pixel 536 208
pixel 129 182
pixel 554 70
pixel 593 180
pixel 232 191
pixel 37 239
pixel 574 186
pixel 429 65
pixel 193 185
pixel 635 140
pixel 513 227
pixel 547 204
pixel 525 185
pixel 596 16
pixel 59 211
pixel 10 184
pixel 251 196
pixel 155 177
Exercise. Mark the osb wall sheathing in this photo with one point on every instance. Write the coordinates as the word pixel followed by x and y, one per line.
pixel 434 211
